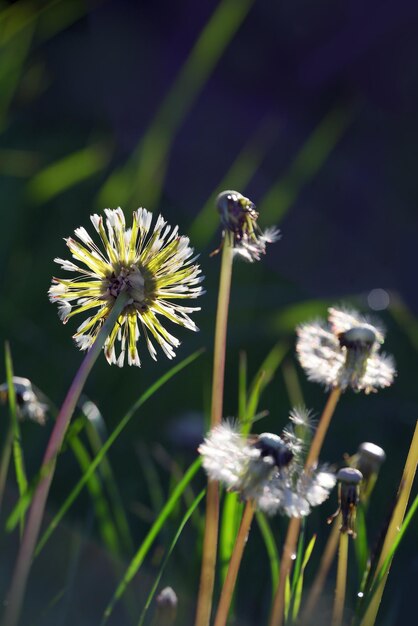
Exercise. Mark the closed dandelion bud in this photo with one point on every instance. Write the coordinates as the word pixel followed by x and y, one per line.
pixel 239 218
pixel 349 480
pixel 166 607
pixel 29 406
pixel 369 459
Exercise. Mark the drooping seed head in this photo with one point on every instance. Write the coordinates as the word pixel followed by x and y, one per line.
pixel 236 212
pixel 239 221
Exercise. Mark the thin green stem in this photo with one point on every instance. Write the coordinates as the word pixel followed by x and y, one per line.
pixel 289 548
pixel 25 555
pixel 338 609
pixel 210 541
pixel 234 564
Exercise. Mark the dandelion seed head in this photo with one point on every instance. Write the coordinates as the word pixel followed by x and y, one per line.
pixel 263 468
pixel 153 267
pixel 345 352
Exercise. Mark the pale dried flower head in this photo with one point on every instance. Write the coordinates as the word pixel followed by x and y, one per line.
pixel 153 266
pixel 29 405
pixel 239 218
pixel 266 469
pixel 345 352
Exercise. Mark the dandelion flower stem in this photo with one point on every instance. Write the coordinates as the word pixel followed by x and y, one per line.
pixel 210 541
pixel 234 564
pixel 220 333
pixel 321 431
pixel 394 526
pixel 25 555
pixel 293 530
pixel 338 609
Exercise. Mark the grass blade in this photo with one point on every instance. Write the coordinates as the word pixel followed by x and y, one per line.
pixel 271 547
pixel 151 536
pixel 66 172
pixel 231 518
pixel 24 501
pixel 18 458
pixel 297 594
pixel 361 543
pixel 93 429
pixel 101 507
pixel 184 521
pixel 307 163
pixel 262 378
pixel 247 162
pixel 380 575
pixel 394 527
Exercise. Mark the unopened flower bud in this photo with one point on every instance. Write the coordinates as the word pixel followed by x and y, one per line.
pixel 28 403
pixel 369 459
pixel 166 607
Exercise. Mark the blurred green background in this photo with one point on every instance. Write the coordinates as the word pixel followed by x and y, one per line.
pixel 310 110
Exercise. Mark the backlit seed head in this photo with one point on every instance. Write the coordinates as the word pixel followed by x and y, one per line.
pixel 345 352
pixel 265 469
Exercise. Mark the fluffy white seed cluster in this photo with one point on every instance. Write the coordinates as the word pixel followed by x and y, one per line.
pixel 266 468
pixel 345 352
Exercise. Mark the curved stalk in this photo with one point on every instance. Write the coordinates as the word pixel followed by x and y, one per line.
pixel 30 537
